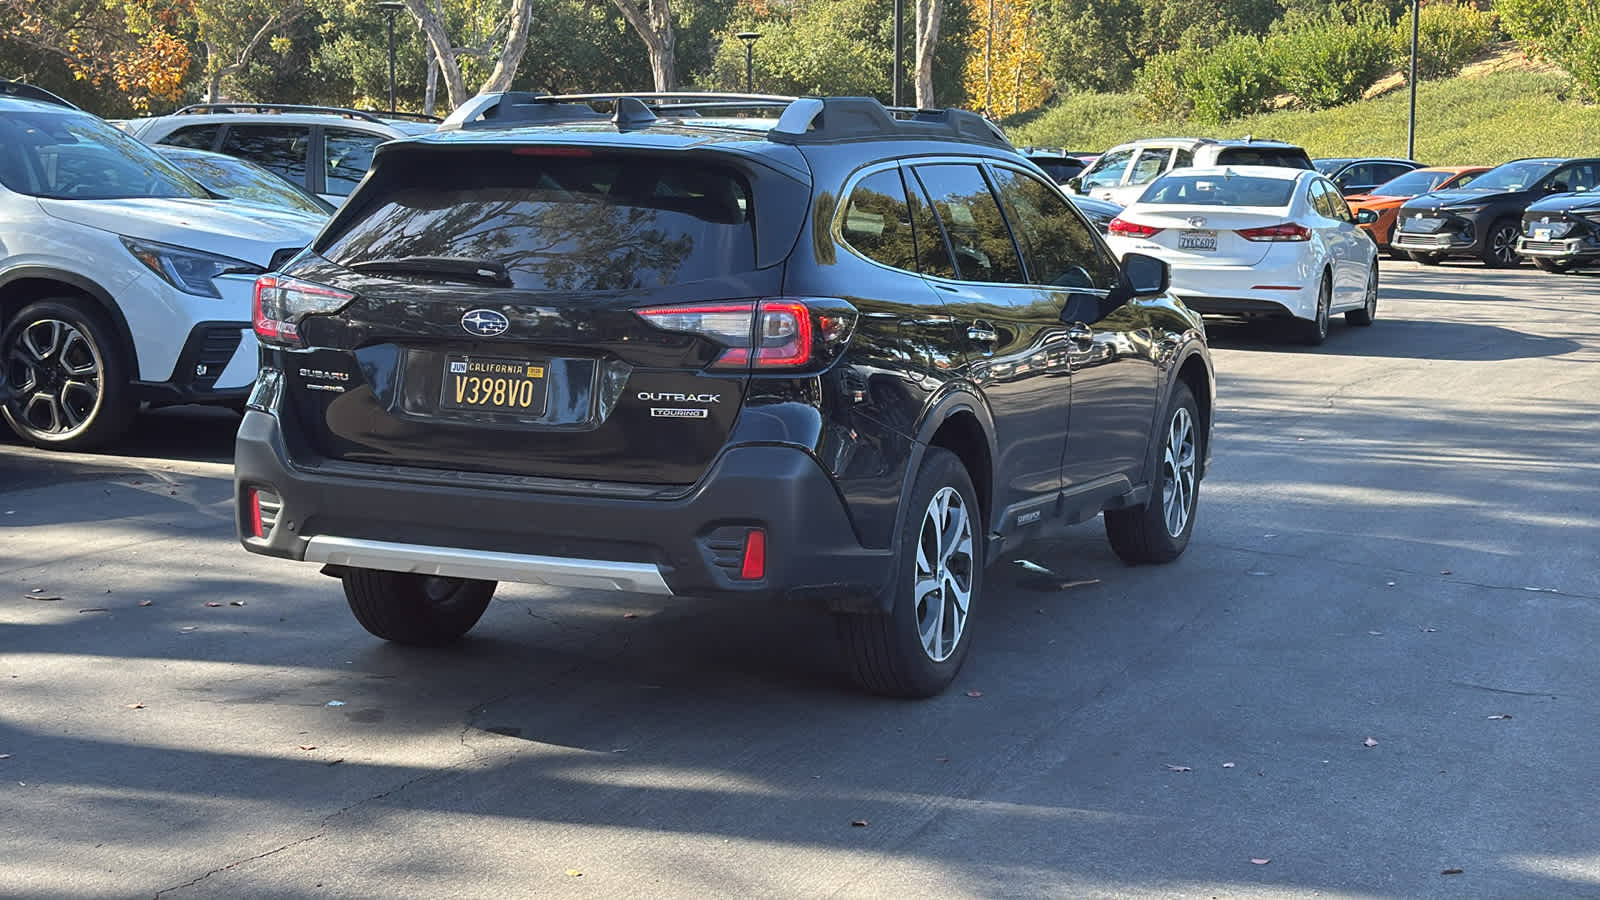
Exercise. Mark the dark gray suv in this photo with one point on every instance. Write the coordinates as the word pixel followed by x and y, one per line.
pixel 802 350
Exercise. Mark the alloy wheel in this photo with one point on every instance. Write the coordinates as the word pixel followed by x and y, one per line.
pixel 1178 471
pixel 944 568
pixel 1503 245
pixel 58 374
pixel 1324 304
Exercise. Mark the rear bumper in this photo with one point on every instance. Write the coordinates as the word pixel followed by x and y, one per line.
pixel 372 517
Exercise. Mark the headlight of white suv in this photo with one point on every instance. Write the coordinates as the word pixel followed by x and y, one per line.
pixel 187 270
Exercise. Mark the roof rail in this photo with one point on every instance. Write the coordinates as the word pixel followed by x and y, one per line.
pixel 26 91
pixel 197 109
pixel 800 120
pixel 399 114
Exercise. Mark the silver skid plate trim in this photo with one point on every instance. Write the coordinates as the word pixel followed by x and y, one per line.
pixel 453 562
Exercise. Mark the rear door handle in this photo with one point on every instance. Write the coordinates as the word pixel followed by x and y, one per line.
pixel 982 333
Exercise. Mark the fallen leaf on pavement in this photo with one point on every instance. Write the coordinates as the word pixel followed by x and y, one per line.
pixel 5 756
pixel 858 823
pixel 1500 716
pixel 1429 629
pixel 1227 765
pixel 308 746
pixel 93 609
pixel 235 602
pixel 974 693
pixel 136 706
pixel 336 761
pixel 1173 768
pixel 188 628
pixel 335 702
pixel 1033 567
pixel 1375 633
pixel 941 759
pixel 1444 571
pixel 1369 742
pixel 146 602
pixel 1389 583
pixel 574 873
pixel 40 597
pixel 630 615
pixel 1259 861
pixel 1451 872
pixel 212 603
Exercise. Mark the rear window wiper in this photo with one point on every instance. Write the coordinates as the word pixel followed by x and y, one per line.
pixel 447 268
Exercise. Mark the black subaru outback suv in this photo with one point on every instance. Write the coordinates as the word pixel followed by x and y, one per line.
pixel 778 349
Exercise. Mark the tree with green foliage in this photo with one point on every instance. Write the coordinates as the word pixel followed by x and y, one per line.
pixel 1564 32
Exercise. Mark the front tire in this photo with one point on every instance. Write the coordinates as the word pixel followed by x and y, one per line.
pixel 1500 247
pixel 1425 258
pixel 420 610
pixel 69 376
pixel 1369 310
pixel 1555 265
pixel 1159 531
pixel 917 648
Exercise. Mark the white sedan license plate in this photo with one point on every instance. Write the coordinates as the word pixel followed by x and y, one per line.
pixel 1197 240
pixel 1541 234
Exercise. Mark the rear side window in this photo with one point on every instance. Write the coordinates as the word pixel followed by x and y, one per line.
pixel 877 221
pixel 556 223
pixel 1056 243
pixel 979 238
pixel 196 137
pixel 1220 190
pixel 346 156
pixel 280 149
pixel 1322 199
pixel 1150 164
pixel 1289 157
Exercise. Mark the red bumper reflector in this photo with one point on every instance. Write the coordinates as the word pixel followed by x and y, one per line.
pixel 253 501
pixel 755 556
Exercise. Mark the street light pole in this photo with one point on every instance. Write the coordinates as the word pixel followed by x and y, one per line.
pixel 391 7
pixel 749 38
pixel 1411 120
pixel 899 53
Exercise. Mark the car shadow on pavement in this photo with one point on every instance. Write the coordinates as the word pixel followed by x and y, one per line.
pixel 1392 338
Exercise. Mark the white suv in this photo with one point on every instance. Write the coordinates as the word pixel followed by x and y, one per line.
pixel 1122 173
pixel 122 280
pixel 325 150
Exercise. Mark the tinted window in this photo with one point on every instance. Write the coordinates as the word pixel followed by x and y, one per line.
pixel 1058 169
pixel 1107 170
pixel 280 149
pixel 1413 183
pixel 1354 176
pixel 1467 179
pixel 1513 176
pixel 240 179
pixel 557 223
pixel 1220 190
pixel 1320 196
pixel 1055 241
pixel 346 156
pixel 1580 177
pixel 877 221
pixel 75 156
pixel 933 251
pixel 1385 171
pixel 1183 158
pixel 1329 165
pixel 977 232
pixel 1340 209
pixel 197 137
pixel 1264 156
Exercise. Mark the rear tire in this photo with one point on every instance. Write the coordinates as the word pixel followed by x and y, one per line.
pixel 1159 531
pixel 1314 332
pixel 1427 259
pixel 69 375
pixel 1369 310
pixel 1500 247
pixel 420 610
pixel 917 648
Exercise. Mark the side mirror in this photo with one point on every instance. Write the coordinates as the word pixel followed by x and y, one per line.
pixel 1366 217
pixel 1075 184
pixel 1146 276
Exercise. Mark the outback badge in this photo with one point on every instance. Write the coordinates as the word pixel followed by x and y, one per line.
pixel 484 323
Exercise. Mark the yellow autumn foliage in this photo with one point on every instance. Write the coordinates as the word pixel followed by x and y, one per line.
pixel 1005 71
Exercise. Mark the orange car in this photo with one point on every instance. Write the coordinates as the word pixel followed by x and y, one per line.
pixel 1381 206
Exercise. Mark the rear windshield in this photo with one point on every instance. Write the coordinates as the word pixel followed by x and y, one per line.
pixel 1289 157
pixel 555 223
pixel 1220 190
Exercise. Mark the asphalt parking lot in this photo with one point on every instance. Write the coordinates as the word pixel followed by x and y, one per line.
pixel 1372 674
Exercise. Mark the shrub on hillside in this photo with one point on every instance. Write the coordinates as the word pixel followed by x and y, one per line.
pixel 1235 78
pixel 1448 35
pixel 1565 32
pixel 1331 62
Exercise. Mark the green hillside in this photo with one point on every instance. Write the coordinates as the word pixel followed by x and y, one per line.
pixel 1476 119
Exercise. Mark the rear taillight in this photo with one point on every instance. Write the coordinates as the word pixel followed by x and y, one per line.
pixel 1288 231
pixel 282 302
pixel 1125 228
pixel 782 333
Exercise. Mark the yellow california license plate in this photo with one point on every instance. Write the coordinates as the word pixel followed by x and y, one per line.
pixel 493 384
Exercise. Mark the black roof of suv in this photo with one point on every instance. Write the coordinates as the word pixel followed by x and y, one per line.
pixel 789 349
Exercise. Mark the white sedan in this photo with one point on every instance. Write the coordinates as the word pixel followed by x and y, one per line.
pixel 1256 241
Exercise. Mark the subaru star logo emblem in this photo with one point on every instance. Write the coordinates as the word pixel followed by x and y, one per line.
pixel 484 323
pixel 1197 221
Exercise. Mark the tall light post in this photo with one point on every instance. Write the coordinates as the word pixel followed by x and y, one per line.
pixel 749 38
pixel 899 53
pixel 391 7
pixel 1411 119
